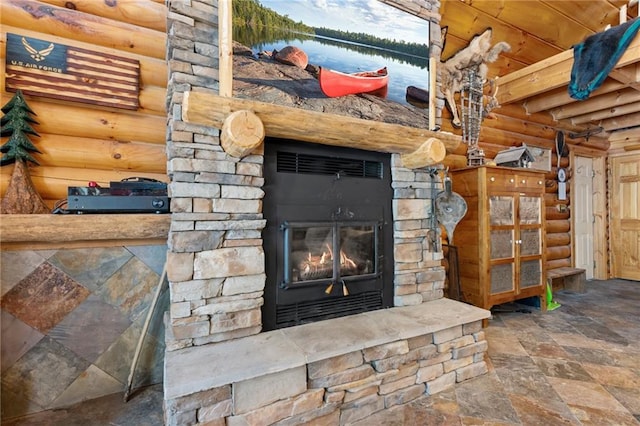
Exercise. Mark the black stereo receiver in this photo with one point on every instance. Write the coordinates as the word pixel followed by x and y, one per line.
pixel 132 195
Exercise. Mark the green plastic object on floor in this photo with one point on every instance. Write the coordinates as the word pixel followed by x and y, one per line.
pixel 551 305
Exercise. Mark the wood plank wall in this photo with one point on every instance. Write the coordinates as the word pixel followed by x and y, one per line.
pixel 81 142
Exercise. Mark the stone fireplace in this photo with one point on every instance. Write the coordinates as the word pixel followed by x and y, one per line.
pixel 228 362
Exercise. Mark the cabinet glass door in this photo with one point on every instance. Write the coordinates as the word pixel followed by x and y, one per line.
pixel 501 210
pixel 502 243
pixel 530 241
pixel 530 273
pixel 502 279
pixel 529 211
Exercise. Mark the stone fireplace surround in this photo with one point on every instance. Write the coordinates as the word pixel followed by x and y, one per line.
pixel 219 367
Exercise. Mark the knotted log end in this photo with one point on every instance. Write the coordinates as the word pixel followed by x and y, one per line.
pixel 431 152
pixel 242 132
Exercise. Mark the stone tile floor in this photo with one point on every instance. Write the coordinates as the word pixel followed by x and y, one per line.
pixel 576 365
pixel 144 408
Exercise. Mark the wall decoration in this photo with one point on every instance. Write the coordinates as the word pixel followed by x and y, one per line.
pixel 542 158
pixel 347 36
pixel 21 196
pixel 52 70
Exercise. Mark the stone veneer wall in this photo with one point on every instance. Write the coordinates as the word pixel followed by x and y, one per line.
pixel 215 265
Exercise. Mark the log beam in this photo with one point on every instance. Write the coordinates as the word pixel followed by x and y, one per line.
pixel 242 132
pixel 558 263
pixel 141 13
pixel 225 48
pixel 431 152
pixel 153 71
pixel 316 127
pixel 549 74
pixel 28 230
pixel 74 25
pixel 76 120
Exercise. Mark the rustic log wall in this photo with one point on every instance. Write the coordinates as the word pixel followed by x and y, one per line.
pixel 511 126
pixel 81 142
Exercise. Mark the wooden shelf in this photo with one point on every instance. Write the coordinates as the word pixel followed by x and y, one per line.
pixel 41 231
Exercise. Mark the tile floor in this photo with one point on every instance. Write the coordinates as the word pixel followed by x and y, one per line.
pixel 576 365
pixel 70 320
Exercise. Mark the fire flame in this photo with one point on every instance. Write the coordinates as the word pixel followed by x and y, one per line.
pixel 314 264
pixel 345 262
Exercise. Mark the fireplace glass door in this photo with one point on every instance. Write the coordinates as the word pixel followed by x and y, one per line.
pixel 335 253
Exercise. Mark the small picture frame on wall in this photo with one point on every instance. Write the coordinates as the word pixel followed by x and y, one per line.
pixel 542 158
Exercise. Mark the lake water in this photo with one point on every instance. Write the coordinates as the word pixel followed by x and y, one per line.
pixel 344 58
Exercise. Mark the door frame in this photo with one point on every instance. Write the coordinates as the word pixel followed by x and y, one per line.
pixel 601 270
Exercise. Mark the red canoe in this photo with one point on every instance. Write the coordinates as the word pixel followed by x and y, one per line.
pixel 336 83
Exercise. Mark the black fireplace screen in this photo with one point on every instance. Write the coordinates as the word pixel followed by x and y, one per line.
pixel 328 239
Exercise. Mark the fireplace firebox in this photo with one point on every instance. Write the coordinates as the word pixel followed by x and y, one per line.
pixel 329 238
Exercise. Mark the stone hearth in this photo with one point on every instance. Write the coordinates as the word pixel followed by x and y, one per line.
pixel 331 372
pixel 220 367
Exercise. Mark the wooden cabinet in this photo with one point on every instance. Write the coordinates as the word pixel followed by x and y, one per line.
pixel 500 241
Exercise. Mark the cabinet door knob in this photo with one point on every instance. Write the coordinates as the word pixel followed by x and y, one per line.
pixel 511 180
pixel 492 179
pixel 524 181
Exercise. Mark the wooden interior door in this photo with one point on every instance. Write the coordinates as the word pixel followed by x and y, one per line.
pixel 625 217
pixel 582 214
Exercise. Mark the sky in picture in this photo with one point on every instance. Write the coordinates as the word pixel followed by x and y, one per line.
pixel 367 16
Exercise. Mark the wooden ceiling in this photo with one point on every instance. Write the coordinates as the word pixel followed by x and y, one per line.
pixel 541 34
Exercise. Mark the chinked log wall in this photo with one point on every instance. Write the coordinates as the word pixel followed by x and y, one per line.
pixel 510 125
pixel 81 142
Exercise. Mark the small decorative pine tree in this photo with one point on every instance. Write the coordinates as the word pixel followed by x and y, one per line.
pixel 16 123
pixel 21 196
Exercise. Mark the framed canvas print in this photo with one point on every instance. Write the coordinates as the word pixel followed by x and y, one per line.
pixel 346 36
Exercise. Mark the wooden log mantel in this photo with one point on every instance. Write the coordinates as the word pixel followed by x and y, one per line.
pixel 418 147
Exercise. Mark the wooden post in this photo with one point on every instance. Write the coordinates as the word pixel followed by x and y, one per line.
pixel 432 93
pixel 225 48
